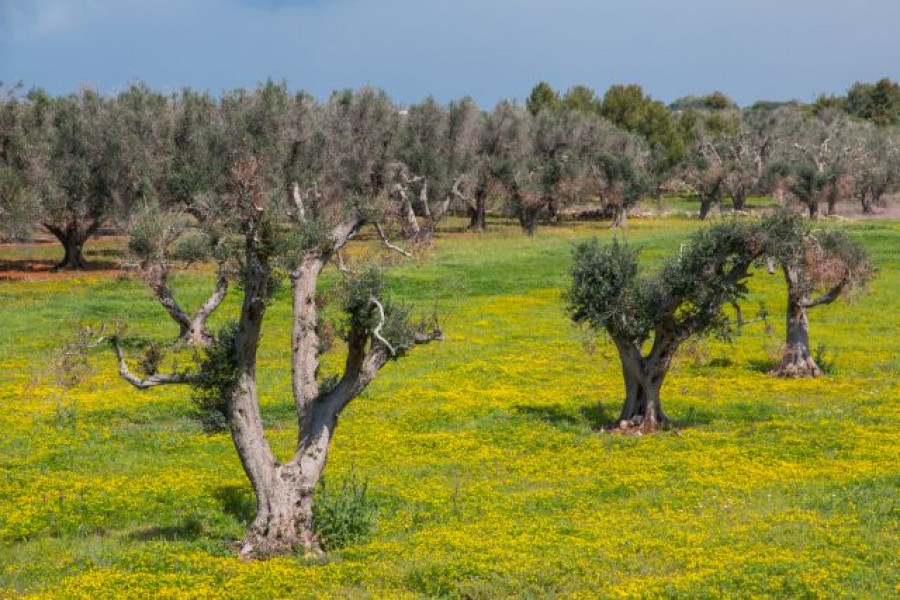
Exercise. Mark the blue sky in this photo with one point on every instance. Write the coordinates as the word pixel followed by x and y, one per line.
pixel 489 49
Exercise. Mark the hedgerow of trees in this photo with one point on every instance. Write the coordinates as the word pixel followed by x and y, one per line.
pixel 73 165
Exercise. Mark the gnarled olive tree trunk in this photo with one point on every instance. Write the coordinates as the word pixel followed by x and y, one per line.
pixel 708 201
pixel 739 197
pixel 432 215
pixel 867 204
pixel 813 207
pixel 552 206
pixel 620 216
pixel 797 359
pixel 644 376
pixel 73 238
pixel 478 212
pixel 285 492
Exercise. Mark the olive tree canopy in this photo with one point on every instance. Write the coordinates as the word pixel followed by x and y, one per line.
pixel 649 316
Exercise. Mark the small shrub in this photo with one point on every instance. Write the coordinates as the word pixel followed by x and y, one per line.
pixel 218 377
pixel 345 515
pixel 825 360
pixel 151 359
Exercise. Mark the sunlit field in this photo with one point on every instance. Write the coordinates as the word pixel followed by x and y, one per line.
pixel 485 453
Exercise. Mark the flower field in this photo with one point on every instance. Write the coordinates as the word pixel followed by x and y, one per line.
pixel 484 452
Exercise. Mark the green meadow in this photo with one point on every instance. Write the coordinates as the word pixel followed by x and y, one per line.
pixel 484 454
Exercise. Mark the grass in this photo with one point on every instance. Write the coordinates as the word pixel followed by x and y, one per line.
pixel 483 453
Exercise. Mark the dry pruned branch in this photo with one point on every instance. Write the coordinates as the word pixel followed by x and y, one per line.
pixel 153 380
pixel 377 331
pixel 387 242
pixel 342 265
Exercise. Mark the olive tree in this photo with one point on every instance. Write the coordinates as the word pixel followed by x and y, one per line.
pixel 707 172
pixel 19 208
pixel 354 145
pixel 197 138
pixel 503 138
pixel 73 166
pixel 648 317
pixel 819 267
pixel 551 172
pixel 618 169
pixel 154 132
pixel 877 172
pixel 176 150
pixel 436 154
pixel 816 154
pixel 748 152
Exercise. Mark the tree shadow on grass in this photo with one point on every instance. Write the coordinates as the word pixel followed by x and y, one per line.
pixel 593 416
pixel 31 267
pixel 108 252
pixel 189 529
pixel 691 418
pixel 238 502
pixel 764 365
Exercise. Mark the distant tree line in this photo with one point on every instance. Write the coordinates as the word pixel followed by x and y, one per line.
pixel 876 102
pixel 72 165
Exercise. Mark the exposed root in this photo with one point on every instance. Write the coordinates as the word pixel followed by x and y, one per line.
pixel 635 426
pixel 259 547
pixel 797 363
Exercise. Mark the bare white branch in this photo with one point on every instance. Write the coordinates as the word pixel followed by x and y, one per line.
pixel 153 380
pixel 387 242
pixel 377 331
pixel 341 265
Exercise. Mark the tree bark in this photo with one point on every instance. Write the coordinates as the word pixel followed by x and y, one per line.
pixel 304 333
pixel 273 529
pixel 197 333
pixel 73 259
pixel 739 199
pixel 620 217
pixel 868 202
pixel 432 219
pixel 797 360
pixel 813 206
pixel 409 222
pixel 72 239
pixel 643 381
pixel 552 209
pixel 528 219
pixel 707 202
pixel 477 215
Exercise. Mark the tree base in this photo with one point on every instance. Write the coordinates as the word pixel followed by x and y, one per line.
pixel 637 424
pixel 75 263
pixel 796 364
pixel 797 369
pixel 636 427
pixel 259 546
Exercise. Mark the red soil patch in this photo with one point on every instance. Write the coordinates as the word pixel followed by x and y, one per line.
pixel 41 270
